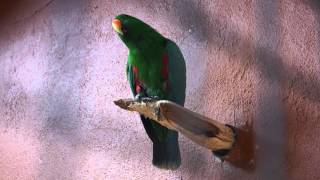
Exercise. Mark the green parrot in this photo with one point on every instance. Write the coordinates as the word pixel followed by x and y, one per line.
pixel 155 68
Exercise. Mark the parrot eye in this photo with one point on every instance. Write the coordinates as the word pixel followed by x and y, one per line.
pixel 124 30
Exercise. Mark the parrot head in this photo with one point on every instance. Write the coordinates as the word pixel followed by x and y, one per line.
pixel 133 31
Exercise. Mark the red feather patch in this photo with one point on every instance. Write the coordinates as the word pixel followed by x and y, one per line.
pixel 138 89
pixel 136 80
pixel 135 70
pixel 165 69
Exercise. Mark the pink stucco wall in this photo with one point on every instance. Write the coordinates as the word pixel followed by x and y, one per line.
pixel 61 67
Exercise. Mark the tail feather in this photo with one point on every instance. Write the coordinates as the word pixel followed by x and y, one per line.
pixel 166 155
pixel 166 152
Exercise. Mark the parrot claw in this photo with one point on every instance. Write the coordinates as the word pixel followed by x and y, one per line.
pixel 156 98
pixel 140 98
pixel 147 99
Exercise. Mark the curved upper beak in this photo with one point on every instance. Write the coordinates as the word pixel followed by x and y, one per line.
pixel 116 24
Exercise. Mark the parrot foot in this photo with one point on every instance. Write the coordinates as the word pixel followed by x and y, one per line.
pixel 156 98
pixel 140 98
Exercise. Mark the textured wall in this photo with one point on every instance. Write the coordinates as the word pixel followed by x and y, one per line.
pixel 252 62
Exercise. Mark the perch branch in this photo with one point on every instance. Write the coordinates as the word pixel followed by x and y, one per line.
pixel 200 129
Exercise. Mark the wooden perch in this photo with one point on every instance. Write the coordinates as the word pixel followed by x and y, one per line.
pixel 204 131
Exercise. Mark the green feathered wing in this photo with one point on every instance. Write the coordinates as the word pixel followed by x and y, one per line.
pixel 166 153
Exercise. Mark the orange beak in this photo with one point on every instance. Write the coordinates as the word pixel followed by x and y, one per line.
pixel 116 24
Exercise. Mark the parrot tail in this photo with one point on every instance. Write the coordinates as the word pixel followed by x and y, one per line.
pixel 166 154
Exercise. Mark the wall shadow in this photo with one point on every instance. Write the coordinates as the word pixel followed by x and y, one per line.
pixel 63 132
pixel 60 133
pixel 268 63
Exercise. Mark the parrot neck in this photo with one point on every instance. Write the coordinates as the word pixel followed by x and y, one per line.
pixel 148 44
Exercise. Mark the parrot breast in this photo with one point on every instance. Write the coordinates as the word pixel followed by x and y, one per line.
pixel 157 80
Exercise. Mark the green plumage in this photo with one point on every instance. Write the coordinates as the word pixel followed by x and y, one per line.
pixel 146 64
